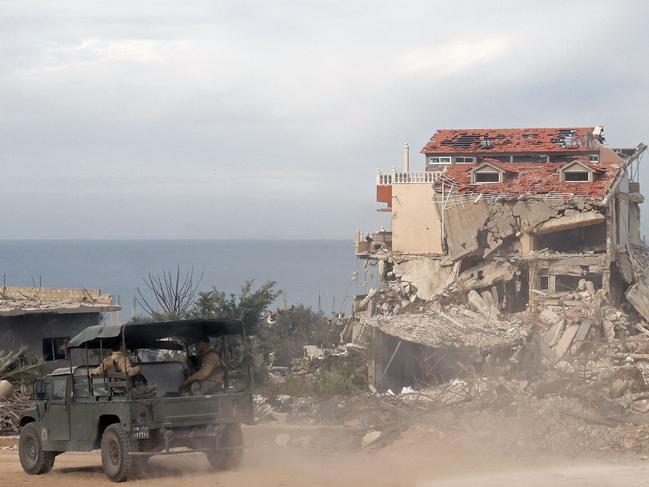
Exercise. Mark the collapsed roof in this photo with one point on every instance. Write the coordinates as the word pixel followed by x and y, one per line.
pixel 520 140
pixel 17 301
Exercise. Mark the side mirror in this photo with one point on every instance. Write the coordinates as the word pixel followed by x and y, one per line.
pixel 40 390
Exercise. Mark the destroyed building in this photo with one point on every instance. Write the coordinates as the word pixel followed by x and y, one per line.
pixel 42 320
pixel 507 221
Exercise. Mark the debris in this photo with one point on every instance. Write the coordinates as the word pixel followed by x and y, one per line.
pixel 283 440
pixel 565 341
pixel 638 295
pixel 370 438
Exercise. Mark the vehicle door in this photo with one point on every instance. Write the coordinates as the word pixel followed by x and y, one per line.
pixel 56 419
pixel 81 409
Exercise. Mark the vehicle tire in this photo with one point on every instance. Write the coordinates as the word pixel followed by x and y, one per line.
pixel 34 460
pixel 116 444
pixel 232 454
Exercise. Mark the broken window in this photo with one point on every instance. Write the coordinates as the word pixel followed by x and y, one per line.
pixel 561 158
pixel 481 177
pixel 486 143
pixel 576 176
pixel 439 160
pixel 536 158
pixel 571 283
pixel 544 282
pixel 582 239
pixel 54 348
pixel 464 159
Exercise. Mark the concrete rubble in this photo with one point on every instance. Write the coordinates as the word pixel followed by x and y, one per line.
pixel 533 307
pixel 16 369
pixel 16 301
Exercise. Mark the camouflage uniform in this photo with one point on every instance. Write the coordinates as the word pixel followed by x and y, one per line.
pixel 209 378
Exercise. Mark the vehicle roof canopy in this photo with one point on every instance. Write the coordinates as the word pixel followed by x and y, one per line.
pixel 154 334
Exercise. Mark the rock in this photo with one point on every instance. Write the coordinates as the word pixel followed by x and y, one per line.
pixel 549 316
pixel 590 287
pixel 617 388
pixel 312 351
pixel 565 341
pixel 5 388
pixel 279 417
pixel 370 438
pixel 283 440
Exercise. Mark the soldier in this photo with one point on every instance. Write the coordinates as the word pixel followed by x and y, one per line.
pixel 209 377
pixel 117 362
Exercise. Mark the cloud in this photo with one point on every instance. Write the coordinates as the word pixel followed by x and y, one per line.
pixel 256 111
pixel 450 57
pixel 91 51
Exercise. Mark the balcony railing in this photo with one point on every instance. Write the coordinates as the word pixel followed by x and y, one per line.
pixel 402 177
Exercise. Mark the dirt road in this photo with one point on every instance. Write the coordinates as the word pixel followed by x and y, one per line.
pixel 408 466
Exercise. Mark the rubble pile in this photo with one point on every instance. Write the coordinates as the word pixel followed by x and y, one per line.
pixel 571 368
pixel 16 373
pixel 11 408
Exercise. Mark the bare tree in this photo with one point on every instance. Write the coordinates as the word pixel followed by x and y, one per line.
pixel 173 293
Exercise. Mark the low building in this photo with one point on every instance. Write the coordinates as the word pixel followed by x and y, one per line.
pixel 42 320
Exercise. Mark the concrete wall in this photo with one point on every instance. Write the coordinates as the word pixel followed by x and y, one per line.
pixel 29 331
pixel 416 225
pixel 623 213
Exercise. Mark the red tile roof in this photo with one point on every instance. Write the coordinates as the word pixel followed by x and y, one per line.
pixel 536 178
pixel 510 141
pixel 492 162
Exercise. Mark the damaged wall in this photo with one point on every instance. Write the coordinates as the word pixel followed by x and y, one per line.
pixel 416 225
pixel 461 223
pixel 426 274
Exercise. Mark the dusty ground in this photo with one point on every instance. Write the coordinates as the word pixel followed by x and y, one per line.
pixel 402 464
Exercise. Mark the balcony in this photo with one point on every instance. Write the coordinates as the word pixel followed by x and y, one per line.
pixel 372 243
pixel 410 177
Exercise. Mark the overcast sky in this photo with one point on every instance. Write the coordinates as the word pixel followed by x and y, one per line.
pixel 244 119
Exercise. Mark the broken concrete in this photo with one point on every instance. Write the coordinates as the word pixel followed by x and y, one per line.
pixel 638 295
pixel 426 274
pixel 575 220
pixel 461 224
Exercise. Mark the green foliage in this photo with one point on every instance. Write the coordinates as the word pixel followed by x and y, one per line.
pixel 248 306
pixel 294 328
pixel 334 375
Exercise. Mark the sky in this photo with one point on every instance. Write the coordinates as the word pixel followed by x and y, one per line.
pixel 257 119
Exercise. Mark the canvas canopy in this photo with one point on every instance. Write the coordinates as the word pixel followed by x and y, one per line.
pixel 153 334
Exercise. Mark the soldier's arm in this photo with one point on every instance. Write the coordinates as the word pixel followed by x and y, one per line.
pixel 210 363
pixel 99 370
pixel 131 371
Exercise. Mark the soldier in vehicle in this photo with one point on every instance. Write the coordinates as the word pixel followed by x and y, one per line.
pixel 209 376
pixel 117 362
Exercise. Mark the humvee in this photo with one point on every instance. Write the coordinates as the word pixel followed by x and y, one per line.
pixel 77 411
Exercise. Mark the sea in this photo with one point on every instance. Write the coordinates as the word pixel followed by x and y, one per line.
pixel 321 274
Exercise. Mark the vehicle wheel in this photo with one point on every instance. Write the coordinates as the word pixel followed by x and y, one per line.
pixel 232 454
pixel 33 459
pixel 116 444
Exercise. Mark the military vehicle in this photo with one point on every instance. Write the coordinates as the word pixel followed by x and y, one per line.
pixel 78 411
